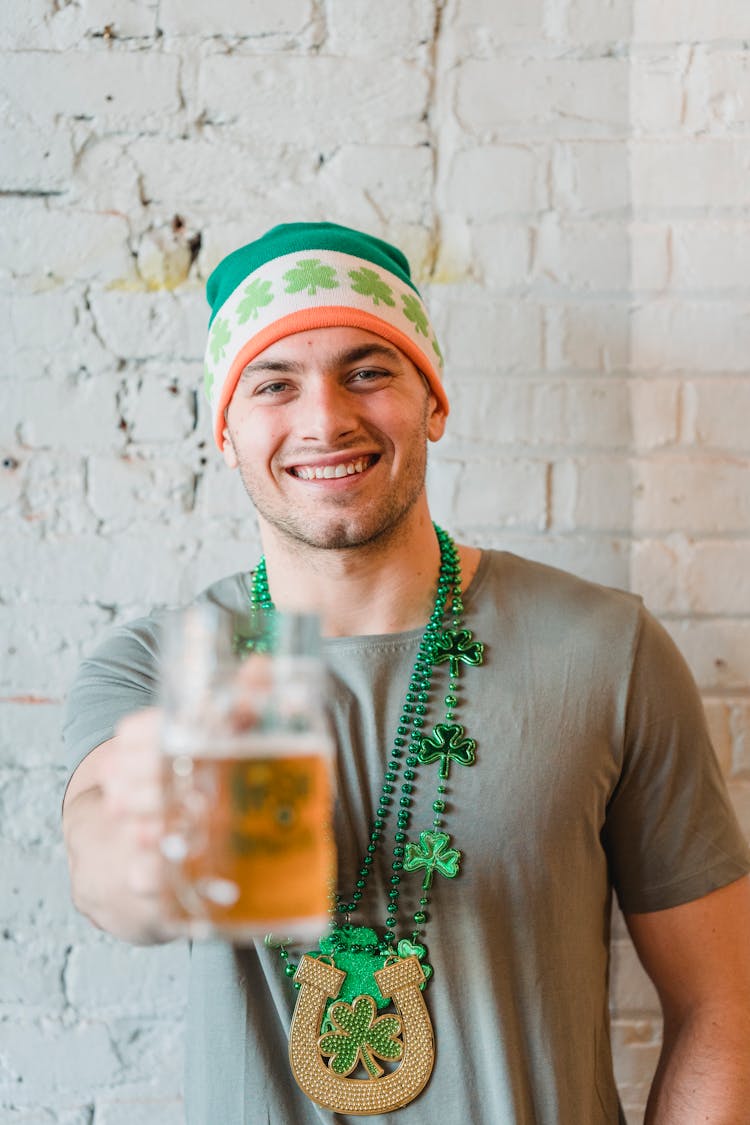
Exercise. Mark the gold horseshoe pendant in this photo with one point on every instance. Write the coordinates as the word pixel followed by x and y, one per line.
pixel 398 981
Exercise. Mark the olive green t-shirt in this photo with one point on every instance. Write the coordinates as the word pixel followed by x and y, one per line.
pixel 593 772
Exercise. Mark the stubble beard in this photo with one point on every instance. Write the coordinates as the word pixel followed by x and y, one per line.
pixel 353 528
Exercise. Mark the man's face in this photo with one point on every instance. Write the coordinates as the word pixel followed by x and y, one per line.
pixel 329 430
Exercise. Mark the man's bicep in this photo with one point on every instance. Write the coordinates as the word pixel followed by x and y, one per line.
pixel 116 680
pixel 88 773
pixel 698 953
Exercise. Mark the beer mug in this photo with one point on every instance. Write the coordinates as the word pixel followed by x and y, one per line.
pixel 247 774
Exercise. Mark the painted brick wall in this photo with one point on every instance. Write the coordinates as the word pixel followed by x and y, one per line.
pixel 569 178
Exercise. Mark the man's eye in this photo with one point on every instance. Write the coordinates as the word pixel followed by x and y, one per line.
pixel 369 375
pixel 276 388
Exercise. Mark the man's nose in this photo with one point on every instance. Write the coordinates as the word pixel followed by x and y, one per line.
pixel 328 412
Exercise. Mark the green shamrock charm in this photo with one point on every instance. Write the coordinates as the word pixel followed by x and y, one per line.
pixel 448 744
pixel 457 646
pixel 359 1035
pixel 310 274
pixel 433 854
pixel 359 953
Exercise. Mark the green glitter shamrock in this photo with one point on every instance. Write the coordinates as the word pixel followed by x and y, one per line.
pixel 449 745
pixel 220 337
pixel 436 349
pixel 360 1035
pixel 357 951
pixel 208 381
pixel 457 646
pixel 433 854
pixel 257 295
pixel 414 312
pixel 371 284
pixel 310 274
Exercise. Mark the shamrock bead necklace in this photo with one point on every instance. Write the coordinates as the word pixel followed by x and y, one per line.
pixel 411 748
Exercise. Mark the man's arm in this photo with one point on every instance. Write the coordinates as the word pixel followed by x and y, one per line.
pixel 698 956
pixel 112 825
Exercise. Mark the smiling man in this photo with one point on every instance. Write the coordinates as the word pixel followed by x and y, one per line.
pixel 343 421
pixel 321 382
pixel 515 745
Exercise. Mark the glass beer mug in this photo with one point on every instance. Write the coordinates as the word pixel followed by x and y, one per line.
pixel 247 772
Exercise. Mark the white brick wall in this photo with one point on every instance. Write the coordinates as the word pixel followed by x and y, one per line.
pixel 569 178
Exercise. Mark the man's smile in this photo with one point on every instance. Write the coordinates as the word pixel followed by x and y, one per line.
pixel 334 470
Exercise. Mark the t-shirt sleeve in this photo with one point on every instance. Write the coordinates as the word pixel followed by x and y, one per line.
pixel 118 678
pixel 671 834
pixel 122 674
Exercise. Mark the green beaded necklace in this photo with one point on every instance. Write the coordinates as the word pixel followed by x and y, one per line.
pixel 357 949
pixel 354 972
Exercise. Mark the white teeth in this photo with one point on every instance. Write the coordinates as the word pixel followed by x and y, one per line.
pixel 328 472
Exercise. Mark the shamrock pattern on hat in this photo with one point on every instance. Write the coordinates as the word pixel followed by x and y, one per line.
pixel 310 274
pixel 256 296
pixel 414 312
pixel 370 284
pixel 220 337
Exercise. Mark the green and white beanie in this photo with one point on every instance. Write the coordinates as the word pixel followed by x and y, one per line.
pixel 300 276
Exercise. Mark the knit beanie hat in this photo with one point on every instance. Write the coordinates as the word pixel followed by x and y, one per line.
pixel 311 275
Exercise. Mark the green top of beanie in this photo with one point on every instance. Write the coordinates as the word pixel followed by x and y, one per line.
pixel 290 238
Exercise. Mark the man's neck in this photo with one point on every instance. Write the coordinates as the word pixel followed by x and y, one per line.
pixel 384 587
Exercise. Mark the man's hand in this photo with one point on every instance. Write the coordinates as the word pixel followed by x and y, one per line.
pixel 112 821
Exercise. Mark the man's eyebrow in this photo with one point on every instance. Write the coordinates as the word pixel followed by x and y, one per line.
pixel 339 359
pixel 364 351
pixel 277 365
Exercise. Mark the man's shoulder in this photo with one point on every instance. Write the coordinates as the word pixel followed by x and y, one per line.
pixel 520 572
pixel 231 593
pixel 525 587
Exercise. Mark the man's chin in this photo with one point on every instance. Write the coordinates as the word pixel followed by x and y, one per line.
pixel 335 534
pixel 337 538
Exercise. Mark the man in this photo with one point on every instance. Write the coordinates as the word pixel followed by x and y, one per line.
pixel 538 736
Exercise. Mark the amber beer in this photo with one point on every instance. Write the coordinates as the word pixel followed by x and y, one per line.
pixel 251 844
pixel 247 765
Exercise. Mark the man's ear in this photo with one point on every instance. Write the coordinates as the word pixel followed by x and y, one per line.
pixel 436 419
pixel 230 456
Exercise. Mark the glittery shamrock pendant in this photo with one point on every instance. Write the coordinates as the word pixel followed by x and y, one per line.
pixel 361 1036
pixel 332 1022
pixel 359 953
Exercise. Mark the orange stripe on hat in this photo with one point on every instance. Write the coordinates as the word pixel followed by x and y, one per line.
pixel 325 316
